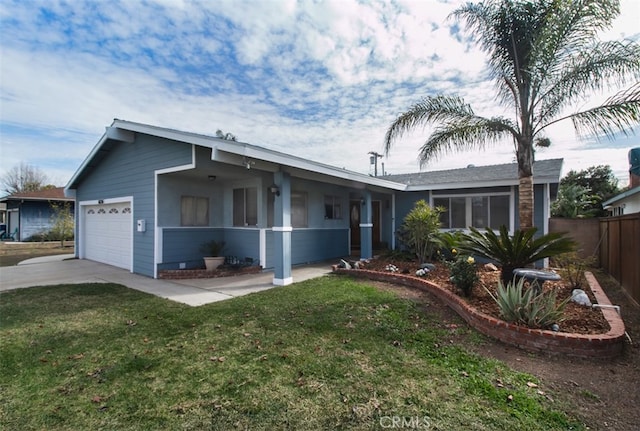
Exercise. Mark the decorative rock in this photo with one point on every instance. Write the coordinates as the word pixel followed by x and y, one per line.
pixel 490 267
pixel 580 297
pixel 344 264
pixel 428 266
pixel 391 268
pixel 555 327
pixel 422 272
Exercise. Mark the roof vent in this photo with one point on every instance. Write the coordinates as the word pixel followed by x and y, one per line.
pixel 471 166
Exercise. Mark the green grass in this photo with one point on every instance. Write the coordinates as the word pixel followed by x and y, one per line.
pixel 329 353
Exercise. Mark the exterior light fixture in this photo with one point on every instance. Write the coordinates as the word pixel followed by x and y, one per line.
pixel 274 189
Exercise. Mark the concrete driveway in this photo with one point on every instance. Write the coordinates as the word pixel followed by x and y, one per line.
pixel 58 270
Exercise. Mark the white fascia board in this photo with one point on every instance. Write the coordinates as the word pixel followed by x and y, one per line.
pixel 475 185
pixel 84 163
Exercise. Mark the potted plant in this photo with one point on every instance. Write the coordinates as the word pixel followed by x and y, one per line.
pixel 213 254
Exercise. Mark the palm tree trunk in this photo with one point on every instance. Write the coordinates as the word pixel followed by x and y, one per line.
pixel 525 204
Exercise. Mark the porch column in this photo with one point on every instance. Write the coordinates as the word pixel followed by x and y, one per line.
pixel 366 228
pixel 282 230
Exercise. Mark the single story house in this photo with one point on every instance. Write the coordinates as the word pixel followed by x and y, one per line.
pixel 148 197
pixel 627 202
pixel 31 213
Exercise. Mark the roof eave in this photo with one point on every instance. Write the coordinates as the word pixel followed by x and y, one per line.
pixel 243 149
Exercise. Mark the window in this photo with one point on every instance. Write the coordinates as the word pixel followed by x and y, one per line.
pixel 477 211
pixel 245 207
pixel 298 209
pixel 194 211
pixel 332 207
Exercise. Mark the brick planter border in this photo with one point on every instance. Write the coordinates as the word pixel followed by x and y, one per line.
pixel 183 274
pixel 606 345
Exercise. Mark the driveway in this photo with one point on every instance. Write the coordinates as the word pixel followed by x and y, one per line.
pixel 54 270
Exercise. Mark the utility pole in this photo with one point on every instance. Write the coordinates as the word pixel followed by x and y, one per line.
pixel 373 159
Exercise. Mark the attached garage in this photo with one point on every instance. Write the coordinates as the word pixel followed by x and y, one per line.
pixel 108 233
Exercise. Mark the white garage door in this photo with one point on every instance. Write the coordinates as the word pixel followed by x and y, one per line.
pixel 107 234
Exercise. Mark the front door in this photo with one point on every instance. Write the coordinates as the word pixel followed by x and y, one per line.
pixel 354 223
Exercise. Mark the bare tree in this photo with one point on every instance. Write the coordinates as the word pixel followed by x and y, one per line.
pixel 24 178
pixel 62 222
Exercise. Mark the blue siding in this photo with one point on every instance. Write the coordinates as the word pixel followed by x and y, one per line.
pixel 128 170
pixel 313 245
pixel 405 203
pixel 270 252
pixel 538 207
pixel 242 243
pixel 183 245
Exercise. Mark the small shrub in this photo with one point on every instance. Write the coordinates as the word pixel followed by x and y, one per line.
pixel 524 306
pixel 572 268
pixel 421 230
pixel 449 240
pixel 463 273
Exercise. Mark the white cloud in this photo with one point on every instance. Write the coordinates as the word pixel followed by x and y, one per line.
pixel 251 68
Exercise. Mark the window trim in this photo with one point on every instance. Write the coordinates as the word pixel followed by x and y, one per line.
pixel 244 207
pixel 469 207
pixel 336 207
pixel 193 222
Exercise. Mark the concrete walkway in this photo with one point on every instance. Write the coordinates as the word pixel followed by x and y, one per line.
pixel 64 269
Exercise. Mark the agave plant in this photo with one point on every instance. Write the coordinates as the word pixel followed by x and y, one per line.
pixel 515 251
pixel 526 307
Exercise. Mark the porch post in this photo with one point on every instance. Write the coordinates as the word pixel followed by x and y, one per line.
pixel 366 228
pixel 282 230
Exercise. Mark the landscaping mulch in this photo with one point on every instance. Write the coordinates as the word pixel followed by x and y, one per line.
pixel 578 319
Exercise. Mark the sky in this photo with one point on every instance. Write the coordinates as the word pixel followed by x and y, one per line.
pixel 318 79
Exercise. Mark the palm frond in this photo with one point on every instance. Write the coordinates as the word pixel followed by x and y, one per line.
pixel 619 113
pixel 465 133
pixel 428 110
pixel 605 63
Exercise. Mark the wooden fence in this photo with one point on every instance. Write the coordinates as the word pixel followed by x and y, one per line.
pixel 620 251
pixel 584 231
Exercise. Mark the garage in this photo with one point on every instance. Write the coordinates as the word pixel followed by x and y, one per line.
pixel 108 233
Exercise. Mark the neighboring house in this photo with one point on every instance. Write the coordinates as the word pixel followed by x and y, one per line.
pixel 148 197
pixel 31 213
pixel 625 203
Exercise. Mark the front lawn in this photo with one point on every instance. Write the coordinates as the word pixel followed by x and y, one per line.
pixel 329 353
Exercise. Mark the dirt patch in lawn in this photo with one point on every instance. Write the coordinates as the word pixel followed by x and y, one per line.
pixel 602 393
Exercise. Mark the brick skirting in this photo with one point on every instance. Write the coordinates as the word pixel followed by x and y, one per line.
pixel 183 274
pixel 606 345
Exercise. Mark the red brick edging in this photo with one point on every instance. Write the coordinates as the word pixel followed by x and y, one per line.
pixel 180 274
pixel 607 345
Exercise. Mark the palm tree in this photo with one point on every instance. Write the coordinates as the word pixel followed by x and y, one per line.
pixel 545 57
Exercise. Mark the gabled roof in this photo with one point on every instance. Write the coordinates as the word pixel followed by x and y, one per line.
pixel 52 194
pixel 544 171
pixel 621 196
pixel 121 130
